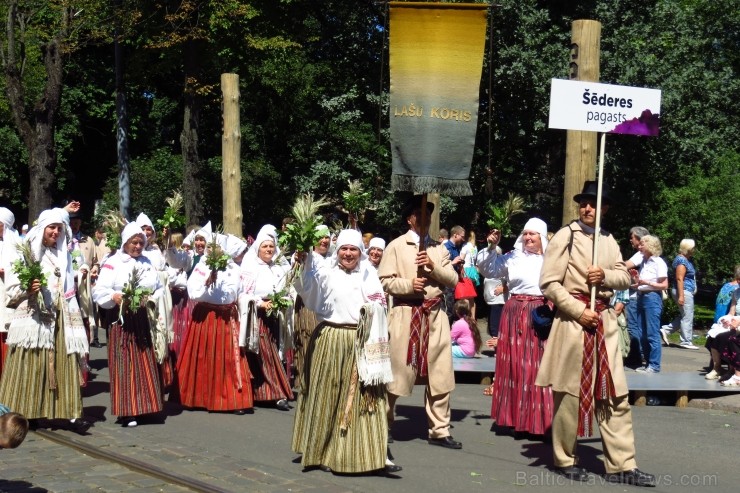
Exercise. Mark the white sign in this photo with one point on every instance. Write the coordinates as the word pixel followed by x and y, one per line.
pixel 606 108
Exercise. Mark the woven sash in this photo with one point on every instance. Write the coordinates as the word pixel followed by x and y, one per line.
pixel 416 355
pixel 594 348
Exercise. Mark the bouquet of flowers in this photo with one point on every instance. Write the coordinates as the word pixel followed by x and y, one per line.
pixel 134 296
pixel 500 215
pixel 28 269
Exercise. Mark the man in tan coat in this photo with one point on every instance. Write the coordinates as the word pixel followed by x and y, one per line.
pixel 582 362
pixel 418 326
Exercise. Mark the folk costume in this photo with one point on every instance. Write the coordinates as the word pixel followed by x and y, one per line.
pixel 8 240
pixel 135 381
pixel 46 337
pixel 267 333
pixel 564 282
pixel 340 422
pixel 305 322
pixel 517 402
pixel 419 329
pixel 212 370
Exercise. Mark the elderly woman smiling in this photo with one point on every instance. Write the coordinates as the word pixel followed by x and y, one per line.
pixel 135 386
pixel 653 279
pixel 517 402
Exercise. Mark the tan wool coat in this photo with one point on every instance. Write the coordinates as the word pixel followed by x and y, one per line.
pixel 563 274
pixel 397 271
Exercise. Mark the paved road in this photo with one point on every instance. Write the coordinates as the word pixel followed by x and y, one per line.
pixel 691 449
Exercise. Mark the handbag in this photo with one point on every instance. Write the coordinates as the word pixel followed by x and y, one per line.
pixel 542 317
pixel 465 288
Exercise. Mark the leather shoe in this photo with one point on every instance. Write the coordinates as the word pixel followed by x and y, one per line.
pixel 240 412
pixel 283 405
pixel 96 343
pixel 389 469
pixel 79 425
pixel 574 473
pixel 635 477
pixel 325 468
pixel 447 442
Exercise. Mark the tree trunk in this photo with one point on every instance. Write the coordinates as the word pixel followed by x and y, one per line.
pixel 192 197
pixel 124 159
pixel 36 130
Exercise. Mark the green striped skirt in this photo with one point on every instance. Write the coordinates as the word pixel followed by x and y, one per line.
pixel 26 385
pixel 325 387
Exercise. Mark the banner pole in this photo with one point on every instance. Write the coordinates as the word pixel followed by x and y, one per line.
pixel 597 228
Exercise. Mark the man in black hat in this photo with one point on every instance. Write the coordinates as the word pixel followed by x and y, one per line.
pixel 582 361
pixel 418 326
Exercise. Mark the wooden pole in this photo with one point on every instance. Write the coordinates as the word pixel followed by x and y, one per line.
pixel 581 148
pixel 433 198
pixel 231 150
pixel 597 228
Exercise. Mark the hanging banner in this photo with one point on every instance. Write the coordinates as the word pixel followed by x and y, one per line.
pixel 606 108
pixel 436 60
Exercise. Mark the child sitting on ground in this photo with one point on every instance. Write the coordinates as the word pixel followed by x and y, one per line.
pixel 13 428
pixel 466 340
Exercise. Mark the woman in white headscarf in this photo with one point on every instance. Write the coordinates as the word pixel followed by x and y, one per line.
pixel 8 240
pixel 517 402
pixel 262 275
pixel 46 338
pixel 135 382
pixel 212 369
pixel 341 422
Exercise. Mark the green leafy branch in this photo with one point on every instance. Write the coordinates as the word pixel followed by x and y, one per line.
pixel 356 201
pixel 173 217
pixel 28 270
pixel 500 216
pixel 301 235
pixel 280 301
pixel 113 224
pixel 134 295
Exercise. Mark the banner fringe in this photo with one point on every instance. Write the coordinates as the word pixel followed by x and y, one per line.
pixel 430 184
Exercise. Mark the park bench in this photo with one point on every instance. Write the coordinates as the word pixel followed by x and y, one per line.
pixel 484 364
pixel 679 382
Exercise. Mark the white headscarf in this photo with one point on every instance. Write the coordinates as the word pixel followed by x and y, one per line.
pixel 35 239
pixel 7 218
pixel 205 232
pixel 131 229
pixel 143 220
pixel 376 243
pixel 234 246
pixel 10 236
pixel 264 235
pixel 350 237
pixel 534 224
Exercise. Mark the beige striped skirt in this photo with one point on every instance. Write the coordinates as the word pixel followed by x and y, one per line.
pixel 325 388
pixel 27 382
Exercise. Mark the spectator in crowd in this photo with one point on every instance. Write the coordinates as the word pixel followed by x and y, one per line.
pixel 718 335
pixel 635 357
pixel 517 402
pixel 443 236
pixel 495 292
pixel 683 293
pixel 466 339
pixel 652 282
pixel 453 245
pixel 724 296
pixel 469 253
pixel 582 363
pixel 13 428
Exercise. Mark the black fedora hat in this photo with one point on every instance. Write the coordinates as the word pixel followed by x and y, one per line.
pixel 414 203
pixel 590 189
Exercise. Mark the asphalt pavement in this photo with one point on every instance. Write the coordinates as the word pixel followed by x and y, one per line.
pixel 689 449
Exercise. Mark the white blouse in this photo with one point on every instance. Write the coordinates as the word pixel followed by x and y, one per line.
pixel 115 274
pixel 335 295
pixel 521 269
pixel 222 292
pixel 653 269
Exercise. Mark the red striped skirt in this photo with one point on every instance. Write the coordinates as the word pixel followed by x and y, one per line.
pixel 270 380
pixel 182 308
pixel 517 402
pixel 135 386
pixel 212 369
